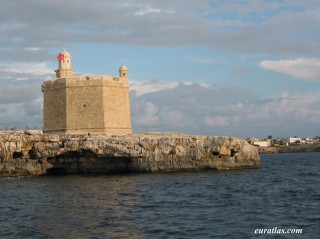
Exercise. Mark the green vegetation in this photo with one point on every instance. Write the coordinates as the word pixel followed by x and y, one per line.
pixel 299 148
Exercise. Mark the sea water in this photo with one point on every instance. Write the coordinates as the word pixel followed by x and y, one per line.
pixel 284 193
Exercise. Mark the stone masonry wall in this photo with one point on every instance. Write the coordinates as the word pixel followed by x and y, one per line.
pixel 85 106
pixel 54 106
pixel 117 107
pixel 97 104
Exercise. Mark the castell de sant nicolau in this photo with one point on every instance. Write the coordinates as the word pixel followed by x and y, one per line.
pixel 76 104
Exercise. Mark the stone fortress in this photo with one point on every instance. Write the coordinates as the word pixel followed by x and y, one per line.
pixel 75 104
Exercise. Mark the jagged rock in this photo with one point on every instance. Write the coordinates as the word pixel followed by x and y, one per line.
pixel 23 153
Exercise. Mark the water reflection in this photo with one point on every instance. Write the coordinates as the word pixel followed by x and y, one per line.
pixel 284 192
pixel 85 207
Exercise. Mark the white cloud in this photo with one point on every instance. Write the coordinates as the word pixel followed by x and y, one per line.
pixel 22 70
pixel 216 121
pixel 141 88
pixel 32 48
pixel 28 68
pixel 212 111
pixel 172 117
pixel 21 115
pixel 20 94
pixel 283 28
pixel 148 115
pixel 147 11
pixel 226 111
pixel 22 78
pixel 152 86
pixel 301 68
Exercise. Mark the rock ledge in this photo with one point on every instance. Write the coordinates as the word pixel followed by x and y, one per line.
pixel 31 153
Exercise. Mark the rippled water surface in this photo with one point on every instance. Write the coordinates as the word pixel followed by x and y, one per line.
pixel 284 192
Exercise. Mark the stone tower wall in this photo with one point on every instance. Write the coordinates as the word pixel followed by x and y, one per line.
pixel 116 106
pixel 84 104
pixel 54 105
pixel 78 105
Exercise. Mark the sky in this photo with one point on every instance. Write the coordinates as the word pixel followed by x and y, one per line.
pixel 241 68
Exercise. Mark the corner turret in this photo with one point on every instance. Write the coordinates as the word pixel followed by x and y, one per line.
pixel 123 71
pixel 64 65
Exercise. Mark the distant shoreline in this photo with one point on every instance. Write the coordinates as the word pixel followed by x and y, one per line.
pixel 295 148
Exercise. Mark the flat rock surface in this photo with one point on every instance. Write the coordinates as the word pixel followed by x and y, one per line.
pixel 31 153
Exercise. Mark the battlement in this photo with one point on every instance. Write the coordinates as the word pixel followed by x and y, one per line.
pixel 85 81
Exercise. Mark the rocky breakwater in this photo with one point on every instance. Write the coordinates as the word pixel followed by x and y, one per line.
pixel 25 153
